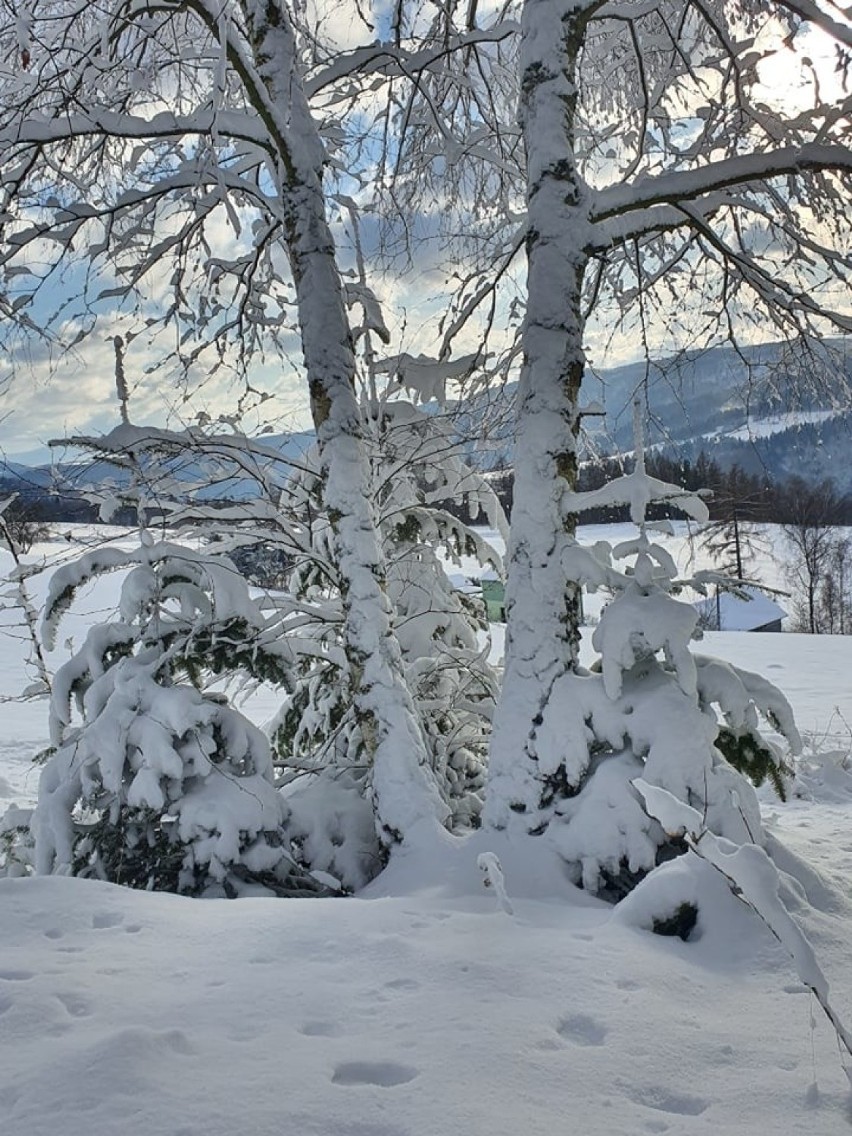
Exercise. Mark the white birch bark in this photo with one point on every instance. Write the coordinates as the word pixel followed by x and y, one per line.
pixel 542 603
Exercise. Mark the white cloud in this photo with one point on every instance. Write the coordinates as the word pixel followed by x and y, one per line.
pixel 53 396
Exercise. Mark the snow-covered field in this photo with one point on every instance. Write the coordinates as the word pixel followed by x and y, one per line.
pixel 420 1008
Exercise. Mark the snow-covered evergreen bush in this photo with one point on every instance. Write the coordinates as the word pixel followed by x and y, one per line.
pixel 416 469
pixel 16 842
pixel 153 782
pixel 649 708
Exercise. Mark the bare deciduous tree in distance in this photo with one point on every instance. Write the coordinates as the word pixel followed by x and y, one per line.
pixel 817 567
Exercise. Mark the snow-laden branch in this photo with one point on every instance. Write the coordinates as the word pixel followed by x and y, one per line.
pixel 65 222
pixel 816 15
pixel 779 295
pixel 274 118
pixel 637 490
pixel 753 878
pixel 40 129
pixel 640 222
pixel 687 185
pixel 392 60
pixel 156 440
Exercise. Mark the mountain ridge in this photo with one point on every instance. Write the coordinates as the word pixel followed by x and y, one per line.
pixel 772 409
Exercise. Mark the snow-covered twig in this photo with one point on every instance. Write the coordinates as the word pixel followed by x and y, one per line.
pixel 493 878
pixel 20 598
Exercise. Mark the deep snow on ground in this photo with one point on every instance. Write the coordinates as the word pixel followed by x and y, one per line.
pixel 420 1008
pixel 427 1013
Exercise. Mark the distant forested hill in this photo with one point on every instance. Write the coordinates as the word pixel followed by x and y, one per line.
pixel 774 410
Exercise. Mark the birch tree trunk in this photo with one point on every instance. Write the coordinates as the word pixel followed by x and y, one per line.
pixel 542 604
pixel 403 787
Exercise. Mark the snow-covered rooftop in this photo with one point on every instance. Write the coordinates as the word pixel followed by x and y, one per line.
pixel 463 583
pixel 729 612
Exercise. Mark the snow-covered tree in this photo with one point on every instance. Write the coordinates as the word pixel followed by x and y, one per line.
pixel 675 192
pixel 650 709
pixel 16 843
pixel 17 597
pixel 416 470
pixel 151 781
pixel 148 137
pixel 706 180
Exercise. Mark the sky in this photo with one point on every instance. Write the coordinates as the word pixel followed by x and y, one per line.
pixel 58 392
pixel 74 392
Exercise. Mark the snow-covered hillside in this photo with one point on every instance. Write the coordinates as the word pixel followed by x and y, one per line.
pixel 421 1007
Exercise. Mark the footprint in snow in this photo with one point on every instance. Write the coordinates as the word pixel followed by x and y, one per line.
pixel 651 1096
pixel 16 975
pixel 582 1030
pixel 402 984
pixel 76 1006
pixel 178 1042
pixel 385 1074
pixel 724 1055
pixel 9 1097
pixel 106 919
pixel 320 1029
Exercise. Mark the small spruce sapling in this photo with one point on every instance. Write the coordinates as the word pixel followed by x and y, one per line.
pixel 155 783
pixel 16 841
pixel 416 468
pixel 17 597
pixel 152 781
pixel 649 708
